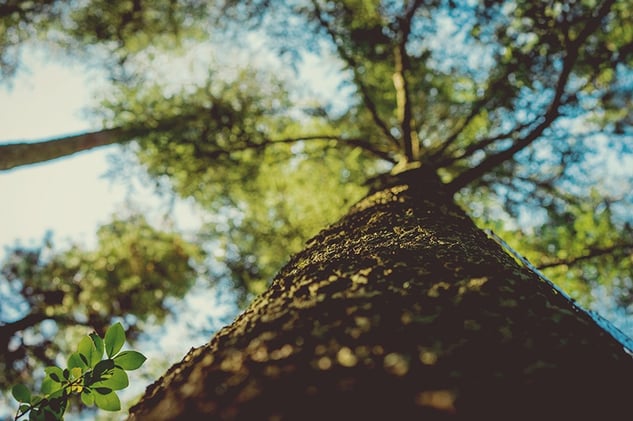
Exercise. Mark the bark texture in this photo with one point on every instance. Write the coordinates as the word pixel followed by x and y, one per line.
pixel 403 309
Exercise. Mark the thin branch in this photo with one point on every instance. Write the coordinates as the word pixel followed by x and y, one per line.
pixel 551 114
pixel 403 104
pixel 351 62
pixel 411 143
pixel 593 253
pixel 453 137
pixel 7 330
pixel 492 161
pixel 361 143
pixel 483 144
pixel 476 108
pixel 548 187
pixel 364 144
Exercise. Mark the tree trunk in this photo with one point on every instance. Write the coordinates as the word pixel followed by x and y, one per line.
pixel 18 154
pixel 403 309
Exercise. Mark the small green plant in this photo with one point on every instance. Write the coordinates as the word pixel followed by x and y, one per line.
pixel 88 374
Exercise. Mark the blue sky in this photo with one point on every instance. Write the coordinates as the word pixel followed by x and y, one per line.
pixel 68 196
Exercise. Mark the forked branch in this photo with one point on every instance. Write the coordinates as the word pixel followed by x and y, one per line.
pixel 492 161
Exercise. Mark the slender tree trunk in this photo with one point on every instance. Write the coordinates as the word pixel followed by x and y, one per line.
pixel 18 154
pixel 403 309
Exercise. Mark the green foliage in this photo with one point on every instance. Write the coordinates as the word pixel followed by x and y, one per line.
pixel 279 183
pixel 219 121
pixel 578 246
pixel 113 29
pixel 133 268
pixel 291 197
pixel 88 374
pixel 135 25
pixel 130 274
pixel 481 78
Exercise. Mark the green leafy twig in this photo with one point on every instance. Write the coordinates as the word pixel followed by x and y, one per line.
pixel 94 378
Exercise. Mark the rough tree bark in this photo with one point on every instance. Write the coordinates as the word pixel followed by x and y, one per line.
pixel 403 309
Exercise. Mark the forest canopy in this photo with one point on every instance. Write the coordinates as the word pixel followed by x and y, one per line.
pixel 276 116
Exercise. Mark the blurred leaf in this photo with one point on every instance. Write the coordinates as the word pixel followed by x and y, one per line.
pixel 21 393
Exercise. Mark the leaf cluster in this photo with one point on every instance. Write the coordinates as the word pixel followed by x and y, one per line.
pixel 88 374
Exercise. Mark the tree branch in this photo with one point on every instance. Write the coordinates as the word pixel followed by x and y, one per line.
pixel 18 154
pixel 410 141
pixel 353 65
pixel 547 186
pixel 593 253
pixel 367 146
pixel 476 108
pixel 7 330
pixel 14 155
pixel 482 144
pixel 550 115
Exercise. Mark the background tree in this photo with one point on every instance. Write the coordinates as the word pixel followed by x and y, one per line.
pixel 521 107
pixel 52 298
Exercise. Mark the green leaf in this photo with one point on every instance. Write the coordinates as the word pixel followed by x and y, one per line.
pixel 87 397
pixel 88 350
pixel 49 386
pixel 89 378
pixel 23 408
pixel 59 393
pixel 76 372
pixel 129 360
pixel 116 381
pixel 108 402
pixel 84 359
pixel 96 339
pixel 55 373
pixel 102 367
pixel 21 393
pixel 102 390
pixel 74 360
pixel 114 339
